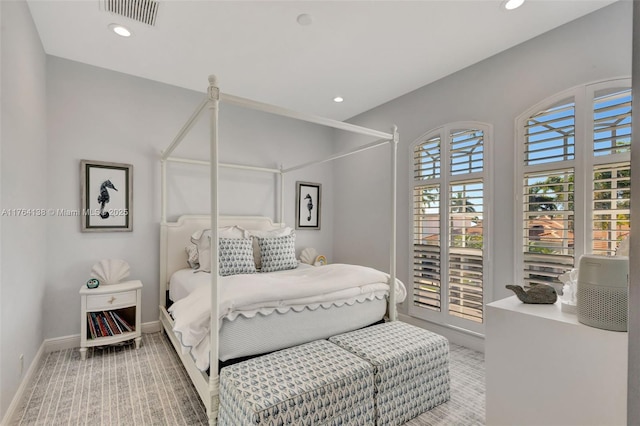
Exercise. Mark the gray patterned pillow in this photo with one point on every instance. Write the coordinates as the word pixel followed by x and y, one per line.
pixel 236 256
pixel 278 253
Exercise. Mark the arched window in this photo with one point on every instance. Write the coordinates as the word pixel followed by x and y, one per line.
pixel 574 165
pixel 449 224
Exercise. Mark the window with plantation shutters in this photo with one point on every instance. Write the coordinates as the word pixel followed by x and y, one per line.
pixel 449 225
pixel 575 173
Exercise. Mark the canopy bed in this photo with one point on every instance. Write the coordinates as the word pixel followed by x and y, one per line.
pixel 209 321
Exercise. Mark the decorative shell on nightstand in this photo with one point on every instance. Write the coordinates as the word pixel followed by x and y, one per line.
pixel 110 271
pixel 308 256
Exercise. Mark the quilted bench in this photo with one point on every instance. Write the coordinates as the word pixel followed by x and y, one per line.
pixel 411 368
pixel 317 383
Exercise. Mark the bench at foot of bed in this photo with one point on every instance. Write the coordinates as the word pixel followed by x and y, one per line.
pixel 411 368
pixel 314 383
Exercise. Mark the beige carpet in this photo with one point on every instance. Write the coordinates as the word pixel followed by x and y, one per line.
pixel 119 385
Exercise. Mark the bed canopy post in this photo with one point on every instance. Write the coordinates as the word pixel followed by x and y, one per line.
pixel 163 195
pixel 214 380
pixel 393 143
pixel 281 219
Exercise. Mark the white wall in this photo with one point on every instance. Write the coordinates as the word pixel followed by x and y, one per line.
pixel 23 155
pixel 101 115
pixel 494 91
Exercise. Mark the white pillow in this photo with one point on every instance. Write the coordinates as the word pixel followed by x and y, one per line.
pixel 223 232
pixel 272 233
pixel 192 256
pixel 202 240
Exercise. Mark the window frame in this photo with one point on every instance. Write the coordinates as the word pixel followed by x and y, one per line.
pixel 583 165
pixel 446 178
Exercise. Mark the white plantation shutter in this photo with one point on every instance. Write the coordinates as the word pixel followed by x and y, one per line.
pixel 466 151
pixel 611 199
pixel 426 247
pixel 548 225
pixel 611 190
pixel 448 223
pixel 548 196
pixel 426 159
pixel 612 123
pixel 550 135
pixel 465 250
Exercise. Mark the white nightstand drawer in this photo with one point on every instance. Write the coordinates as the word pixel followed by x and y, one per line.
pixel 99 302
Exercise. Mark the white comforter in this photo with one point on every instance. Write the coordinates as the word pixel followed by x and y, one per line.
pixel 297 289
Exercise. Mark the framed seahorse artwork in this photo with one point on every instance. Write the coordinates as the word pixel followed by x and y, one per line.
pixel 308 201
pixel 106 196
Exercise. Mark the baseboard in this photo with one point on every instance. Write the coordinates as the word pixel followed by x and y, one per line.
pixel 151 327
pixel 52 345
pixel 24 384
pixel 467 339
pixel 73 341
pixel 61 343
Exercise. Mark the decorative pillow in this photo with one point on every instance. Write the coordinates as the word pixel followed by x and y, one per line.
pixel 236 256
pixel 192 256
pixel 279 232
pixel 278 253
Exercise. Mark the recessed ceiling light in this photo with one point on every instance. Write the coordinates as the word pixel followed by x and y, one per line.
pixel 304 19
pixel 512 4
pixel 338 99
pixel 120 30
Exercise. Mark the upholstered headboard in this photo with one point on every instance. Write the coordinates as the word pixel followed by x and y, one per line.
pixel 175 236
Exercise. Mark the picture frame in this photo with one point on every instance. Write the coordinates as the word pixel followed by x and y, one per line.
pixel 308 203
pixel 106 196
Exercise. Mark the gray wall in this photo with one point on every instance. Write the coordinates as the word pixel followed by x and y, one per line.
pixel 101 115
pixel 23 155
pixel 495 91
pixel 633 396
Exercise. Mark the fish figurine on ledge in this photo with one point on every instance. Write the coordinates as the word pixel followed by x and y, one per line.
pixel 538 293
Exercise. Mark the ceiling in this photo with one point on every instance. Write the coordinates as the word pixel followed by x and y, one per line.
pixel 368 52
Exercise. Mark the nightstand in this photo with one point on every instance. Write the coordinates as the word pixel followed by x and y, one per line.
pixel 110 314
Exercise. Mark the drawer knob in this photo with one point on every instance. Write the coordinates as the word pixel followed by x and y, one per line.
pixel 112 300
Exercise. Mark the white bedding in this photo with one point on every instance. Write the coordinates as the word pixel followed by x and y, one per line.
pixel 251 294
pixel 185 281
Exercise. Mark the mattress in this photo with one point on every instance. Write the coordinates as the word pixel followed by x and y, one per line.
pixel 260 313
pixel 266 333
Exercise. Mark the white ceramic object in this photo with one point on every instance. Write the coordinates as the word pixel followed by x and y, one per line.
pixel 110 271
pixel 308 255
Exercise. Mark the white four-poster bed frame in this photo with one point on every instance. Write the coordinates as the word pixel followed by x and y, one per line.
pixel 209 394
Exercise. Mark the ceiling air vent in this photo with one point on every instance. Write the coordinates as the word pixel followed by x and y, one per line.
pixel 144 11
